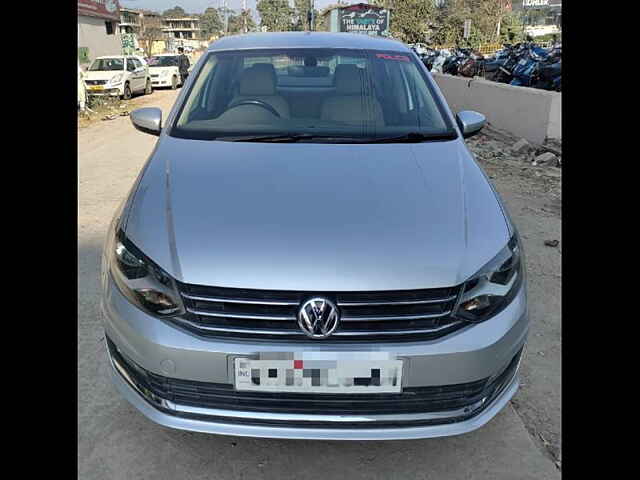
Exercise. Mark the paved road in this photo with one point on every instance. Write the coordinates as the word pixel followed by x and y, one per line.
pixel 116 442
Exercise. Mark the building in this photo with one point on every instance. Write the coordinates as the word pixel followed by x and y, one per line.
pixel 540 17
pixel 358 18
pixel 130 21
pixel 182 28
pixel 98 29
pixel 151 19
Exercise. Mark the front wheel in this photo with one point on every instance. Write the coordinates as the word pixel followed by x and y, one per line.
pixel 174 82
pixel 127 92
pixel 148 89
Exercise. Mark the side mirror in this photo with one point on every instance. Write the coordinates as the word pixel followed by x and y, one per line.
pixel 470 122
pixel 147 120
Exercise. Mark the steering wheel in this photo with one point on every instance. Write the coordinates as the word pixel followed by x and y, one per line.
pixel 252 101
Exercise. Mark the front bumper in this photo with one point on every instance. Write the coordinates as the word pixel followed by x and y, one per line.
pixel 106 92
pixel 161 81
pixel 481 351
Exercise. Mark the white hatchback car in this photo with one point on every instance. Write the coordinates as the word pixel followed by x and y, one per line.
pixel 119 75
pixel 165 71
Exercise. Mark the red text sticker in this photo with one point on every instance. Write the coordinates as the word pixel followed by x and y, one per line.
pixel 402 58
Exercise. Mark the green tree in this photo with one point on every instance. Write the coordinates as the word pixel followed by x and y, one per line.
pixel 236 22
pixel 411 20
pixel 276 15
pixel 174 12
pixel 210 22
pixel 301 10
pixel 487 18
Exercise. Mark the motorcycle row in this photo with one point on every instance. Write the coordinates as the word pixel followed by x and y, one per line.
pixel 525 64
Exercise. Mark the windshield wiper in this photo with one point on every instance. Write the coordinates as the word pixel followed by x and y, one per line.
pixel 415 137
pixel 271 138
pixel 412 137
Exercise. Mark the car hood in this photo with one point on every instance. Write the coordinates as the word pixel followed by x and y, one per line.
pixel 316 217
pixel 101 75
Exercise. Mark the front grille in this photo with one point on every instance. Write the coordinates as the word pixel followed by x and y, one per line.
pixel 377 315
pixel 155 75
pixel 468 398
pixel 95 82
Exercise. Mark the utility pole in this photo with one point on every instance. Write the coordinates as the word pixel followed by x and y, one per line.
pixel 310 15
pixel 244 16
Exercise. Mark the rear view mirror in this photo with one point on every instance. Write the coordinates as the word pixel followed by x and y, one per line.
pixel 470 122
pixel 147 120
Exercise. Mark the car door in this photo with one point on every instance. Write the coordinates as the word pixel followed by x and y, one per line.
pixel 137 75
pixel 131 73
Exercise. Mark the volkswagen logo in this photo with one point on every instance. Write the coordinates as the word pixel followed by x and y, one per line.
pixel 318 317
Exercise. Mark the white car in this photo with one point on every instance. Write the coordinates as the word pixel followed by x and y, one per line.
pixel 118 76
pixel 165 71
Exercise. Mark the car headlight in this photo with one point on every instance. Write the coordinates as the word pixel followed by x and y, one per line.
pixel 494 286
pixel 139 279
pixel 116 79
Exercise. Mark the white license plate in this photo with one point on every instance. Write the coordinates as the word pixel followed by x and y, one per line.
pixel 320 372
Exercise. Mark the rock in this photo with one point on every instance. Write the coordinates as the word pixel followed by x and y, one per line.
pixel 551 243
pixel 547 158
pixel 521 146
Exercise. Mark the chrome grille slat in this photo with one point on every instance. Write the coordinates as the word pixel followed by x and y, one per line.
pixel 401 302
pixel 394 318
pixel 246 331
pixel 353 333
pixel 241 316
pixel 237 300
pixel 340 333
pixel 399 315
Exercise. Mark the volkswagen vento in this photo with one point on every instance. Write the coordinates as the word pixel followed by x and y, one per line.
pixel 311 251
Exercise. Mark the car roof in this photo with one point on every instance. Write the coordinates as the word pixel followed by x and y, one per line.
pixel 306 40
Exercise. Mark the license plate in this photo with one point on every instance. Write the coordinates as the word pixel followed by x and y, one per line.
pixel 320 372
pixel 96 87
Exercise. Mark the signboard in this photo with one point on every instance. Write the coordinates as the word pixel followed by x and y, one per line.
pixel 520 4
pixel 467 28
pixel 363 18
pixel 108 9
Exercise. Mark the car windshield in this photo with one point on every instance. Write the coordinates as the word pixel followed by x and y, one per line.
pixel 163 61
pixel 311 95
pixel 107 64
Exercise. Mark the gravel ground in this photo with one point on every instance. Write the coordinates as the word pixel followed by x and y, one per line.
pixel 117 442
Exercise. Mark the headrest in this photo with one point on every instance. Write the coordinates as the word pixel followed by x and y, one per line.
pixel 349 79
pixel 259 79
pixel 316 71
pixel 302 71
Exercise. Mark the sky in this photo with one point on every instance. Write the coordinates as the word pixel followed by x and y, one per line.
pixel 199 6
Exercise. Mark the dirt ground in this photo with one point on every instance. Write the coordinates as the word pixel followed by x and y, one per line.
pixel 533 197
pixel 117 442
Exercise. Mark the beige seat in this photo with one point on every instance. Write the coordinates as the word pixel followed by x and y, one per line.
pixel 258 82
pixel 352 103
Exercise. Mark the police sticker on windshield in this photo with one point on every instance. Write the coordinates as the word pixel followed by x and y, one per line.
pixel 386 56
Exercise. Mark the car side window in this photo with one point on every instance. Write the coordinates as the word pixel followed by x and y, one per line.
pixel 130 65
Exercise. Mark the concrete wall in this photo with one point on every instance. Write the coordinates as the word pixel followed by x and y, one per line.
pixel 92 33
pixel 527 112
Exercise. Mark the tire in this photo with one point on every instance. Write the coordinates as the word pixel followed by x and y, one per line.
pixel 127 92
pixel 174 82
pixel 148 90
